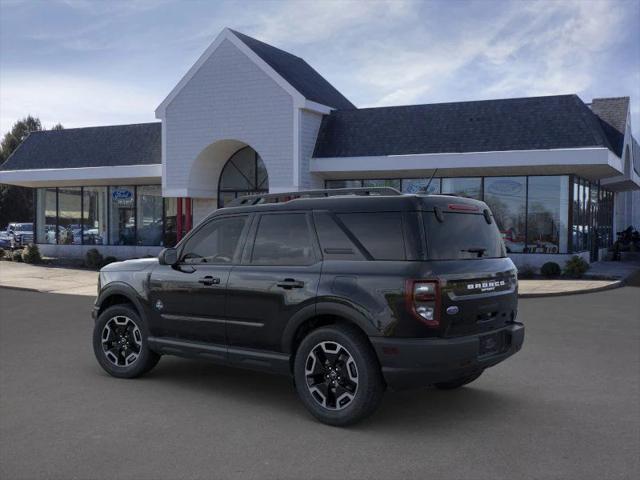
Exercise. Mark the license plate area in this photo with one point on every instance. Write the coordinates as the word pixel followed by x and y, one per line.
pixel 490 344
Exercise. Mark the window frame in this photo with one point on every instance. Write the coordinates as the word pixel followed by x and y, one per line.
pixel 253 231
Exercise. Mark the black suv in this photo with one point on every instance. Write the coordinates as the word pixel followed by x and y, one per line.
pixel 349 294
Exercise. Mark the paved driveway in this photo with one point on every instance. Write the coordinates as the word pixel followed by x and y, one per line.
pixel 565 407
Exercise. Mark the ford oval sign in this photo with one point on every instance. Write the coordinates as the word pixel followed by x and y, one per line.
pixel 121 194
pixel 505 187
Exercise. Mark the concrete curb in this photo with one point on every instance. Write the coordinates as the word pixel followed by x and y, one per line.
pixel 36 290
pixel 614 285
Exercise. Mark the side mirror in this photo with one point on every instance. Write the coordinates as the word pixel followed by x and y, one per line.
pixel 168 256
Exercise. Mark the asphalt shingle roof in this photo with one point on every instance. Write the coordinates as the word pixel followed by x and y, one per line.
pixel 298 73
pixel 613 116
pixel 533 123
pixel 108 146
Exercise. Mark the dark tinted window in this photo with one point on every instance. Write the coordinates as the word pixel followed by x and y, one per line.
pixel 216 242
pixel 462 236
pixel 334 242
pixel 283 240
pixel 379 233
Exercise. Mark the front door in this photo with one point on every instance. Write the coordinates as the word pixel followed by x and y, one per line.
pixel 188 299
pixel 278 276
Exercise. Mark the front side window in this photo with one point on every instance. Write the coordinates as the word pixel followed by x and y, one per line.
pixel 283 240
pixel 215 243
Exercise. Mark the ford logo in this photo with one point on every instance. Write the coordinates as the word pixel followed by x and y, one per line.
pixel 452 310
pixel 505 187
pixel 121 194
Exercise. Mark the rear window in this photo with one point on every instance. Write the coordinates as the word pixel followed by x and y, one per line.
pixel 462 236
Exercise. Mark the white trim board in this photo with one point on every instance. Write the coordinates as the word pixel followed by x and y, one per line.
pixel 64 177
pixel 600 160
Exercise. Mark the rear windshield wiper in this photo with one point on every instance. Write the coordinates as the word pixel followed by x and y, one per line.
pixel 479 250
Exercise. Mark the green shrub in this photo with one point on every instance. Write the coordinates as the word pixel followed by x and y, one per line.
pixel 576 267
pixel 526 271
pixel 31 254
pixel 93 259
pixel 16 256
pixel 2 253
pixel 108 260
pixel 550 269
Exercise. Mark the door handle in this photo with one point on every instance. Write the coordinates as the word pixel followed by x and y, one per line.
pixel 289 283
pixel 209 280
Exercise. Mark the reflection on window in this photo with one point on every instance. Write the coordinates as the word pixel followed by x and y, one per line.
pixel 243 174
pixel 46 215
pixel 507 199
pixel 94 216
pixel 393 183
pixel 547 218
pixel 216 242
pixel 343 183
pixel 170 237
pixel 283 240
pixel 149 215
pixel 419 185
pixel 69 216
pixel 122 221
pixel 463 187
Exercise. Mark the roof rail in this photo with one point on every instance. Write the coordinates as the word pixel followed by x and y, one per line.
pixel 329 192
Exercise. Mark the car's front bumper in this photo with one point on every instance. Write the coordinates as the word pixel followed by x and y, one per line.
pixel 416 362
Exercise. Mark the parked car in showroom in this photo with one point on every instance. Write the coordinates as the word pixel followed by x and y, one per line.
pixel 349 292
pixel 19 234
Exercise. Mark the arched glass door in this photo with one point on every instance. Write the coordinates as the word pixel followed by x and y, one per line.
pixel 243 174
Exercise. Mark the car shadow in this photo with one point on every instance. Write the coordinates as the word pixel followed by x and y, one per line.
pixel 401 412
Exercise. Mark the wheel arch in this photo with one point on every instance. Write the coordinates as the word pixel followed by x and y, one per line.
pixel 118 294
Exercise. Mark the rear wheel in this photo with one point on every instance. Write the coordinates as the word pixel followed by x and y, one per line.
pixel 120 343
pixel 337 375
pixel 458 382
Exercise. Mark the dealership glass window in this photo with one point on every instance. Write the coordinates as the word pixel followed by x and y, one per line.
pixel 70 216
pixel 94 215
pixel 149 215
pixel 343 183
pixel 169 236
pixel 46 215
pixel 464 187
pixel 393 183
pixel 507 199
pixel 547 216
pixel 419 185
pixel 122 218
pixel 243 174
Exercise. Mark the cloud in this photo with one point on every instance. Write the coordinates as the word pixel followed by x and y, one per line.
pixel 72 100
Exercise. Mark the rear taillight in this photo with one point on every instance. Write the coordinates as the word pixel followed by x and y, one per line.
pixel 423 301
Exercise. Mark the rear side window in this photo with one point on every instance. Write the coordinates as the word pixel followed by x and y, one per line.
pixel 283 240
pixel 462 236
pixel 380 233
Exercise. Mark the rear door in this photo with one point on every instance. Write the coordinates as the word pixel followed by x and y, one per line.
pixel 278 276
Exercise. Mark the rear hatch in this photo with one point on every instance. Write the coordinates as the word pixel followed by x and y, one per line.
pixel 478 283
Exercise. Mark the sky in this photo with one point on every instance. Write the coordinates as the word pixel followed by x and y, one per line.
pixel 86 63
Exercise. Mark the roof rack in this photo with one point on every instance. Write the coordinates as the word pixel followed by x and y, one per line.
pixel 329 192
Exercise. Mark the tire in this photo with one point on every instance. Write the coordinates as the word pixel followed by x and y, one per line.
pixel 346 390
pixel 458 382
pixel 125 325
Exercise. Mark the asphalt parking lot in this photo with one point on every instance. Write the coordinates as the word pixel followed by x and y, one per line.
pixel 567 406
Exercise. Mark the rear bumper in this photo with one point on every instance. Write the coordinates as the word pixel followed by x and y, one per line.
pixel 417 362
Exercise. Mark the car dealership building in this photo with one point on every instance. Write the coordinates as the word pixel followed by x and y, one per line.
pixel 560 175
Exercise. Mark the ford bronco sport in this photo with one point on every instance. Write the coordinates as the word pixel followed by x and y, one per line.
pixel 349 292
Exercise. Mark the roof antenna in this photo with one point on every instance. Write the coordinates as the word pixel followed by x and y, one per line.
pixel 426 190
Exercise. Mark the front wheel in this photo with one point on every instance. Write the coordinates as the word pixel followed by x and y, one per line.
pixel 337 375
pixel 120 343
